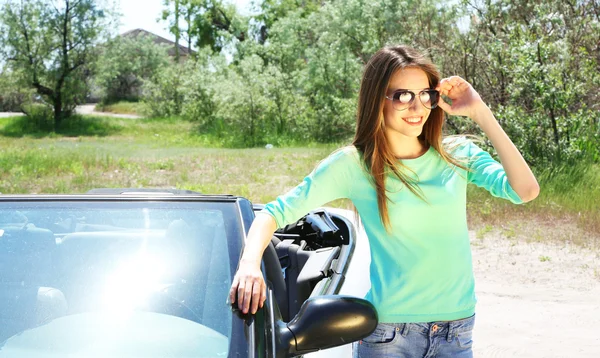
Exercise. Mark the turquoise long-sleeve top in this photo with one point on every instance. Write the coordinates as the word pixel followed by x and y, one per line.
pixel 421 270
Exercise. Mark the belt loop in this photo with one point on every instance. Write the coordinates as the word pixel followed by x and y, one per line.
pixel 405 329
pixel 450 332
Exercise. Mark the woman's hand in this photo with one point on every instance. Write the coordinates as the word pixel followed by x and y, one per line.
pixel 248 287
pixel 465 100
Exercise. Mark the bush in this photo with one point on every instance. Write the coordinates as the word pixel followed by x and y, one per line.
pixel 163 95
pixel 124 64
pixel 40 117
pixel 12 101
pixel 199 103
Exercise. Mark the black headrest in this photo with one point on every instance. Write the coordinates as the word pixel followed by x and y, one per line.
pixel 275 276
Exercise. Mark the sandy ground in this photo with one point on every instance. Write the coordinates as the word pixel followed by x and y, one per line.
pixel 535 300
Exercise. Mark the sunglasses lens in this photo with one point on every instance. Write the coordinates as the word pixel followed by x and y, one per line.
pixel 430 98
pixel 405 97
pixel 402 99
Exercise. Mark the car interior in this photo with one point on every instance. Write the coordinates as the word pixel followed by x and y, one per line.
pixel 301 255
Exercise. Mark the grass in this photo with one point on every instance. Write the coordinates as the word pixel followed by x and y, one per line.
pixel 122 107
pixel 23 126
pixel 481 232
pixel 77 166
pixel 93 152
pixel 568 207
pixel 144 153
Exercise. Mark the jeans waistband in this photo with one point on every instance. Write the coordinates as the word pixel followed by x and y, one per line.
pixel 445 328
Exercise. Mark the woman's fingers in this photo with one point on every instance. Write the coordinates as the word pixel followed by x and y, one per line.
pixel 452 86
pixel 444 106
pixel 256 295
pixel 263 294
pixel 251 293
pixel 463 96
pixel 445 86
pixel 456 81
pixel 233 289
pixel 241 289
pixel 248 288
pixel 247 292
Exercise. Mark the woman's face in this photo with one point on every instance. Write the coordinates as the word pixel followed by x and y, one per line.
pixel 409 121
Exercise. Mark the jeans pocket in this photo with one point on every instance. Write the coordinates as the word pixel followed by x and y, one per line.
pixel 465 339
pixel 383 334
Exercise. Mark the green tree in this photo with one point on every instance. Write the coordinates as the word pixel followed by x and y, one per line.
pixel 207 22
pixel 12 96
pixel 537 64
pixel 298 70
pixel 185 10
pixel 51 45
pixel 321 53
pixel 125 63
pixel 271 11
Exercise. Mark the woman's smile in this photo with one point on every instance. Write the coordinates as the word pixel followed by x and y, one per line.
pixel 413 121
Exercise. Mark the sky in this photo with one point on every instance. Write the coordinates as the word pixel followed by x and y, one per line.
pixel 144 13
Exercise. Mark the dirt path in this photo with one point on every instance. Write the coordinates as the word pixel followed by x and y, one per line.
pixel 10 114
pixel 89 109
pixel 535 299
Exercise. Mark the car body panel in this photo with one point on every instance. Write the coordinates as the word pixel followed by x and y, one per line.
pixel 357 281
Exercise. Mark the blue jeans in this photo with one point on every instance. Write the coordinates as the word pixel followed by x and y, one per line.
pixel 452 339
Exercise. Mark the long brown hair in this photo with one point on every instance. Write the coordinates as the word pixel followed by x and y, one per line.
pixel 370 139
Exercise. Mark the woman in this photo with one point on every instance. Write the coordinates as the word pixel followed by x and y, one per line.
pixel 409 188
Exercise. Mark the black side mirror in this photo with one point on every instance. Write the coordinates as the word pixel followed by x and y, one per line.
pixel 326 322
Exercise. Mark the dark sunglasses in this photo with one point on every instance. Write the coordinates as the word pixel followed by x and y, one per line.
pixel 403 98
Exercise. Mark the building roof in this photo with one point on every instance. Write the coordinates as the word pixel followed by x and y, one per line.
pixel 183 51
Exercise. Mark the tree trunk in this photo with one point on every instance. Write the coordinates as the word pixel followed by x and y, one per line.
pixel 58 113
pixel 177 31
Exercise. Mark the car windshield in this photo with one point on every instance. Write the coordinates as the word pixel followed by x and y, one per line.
pixel 114 278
